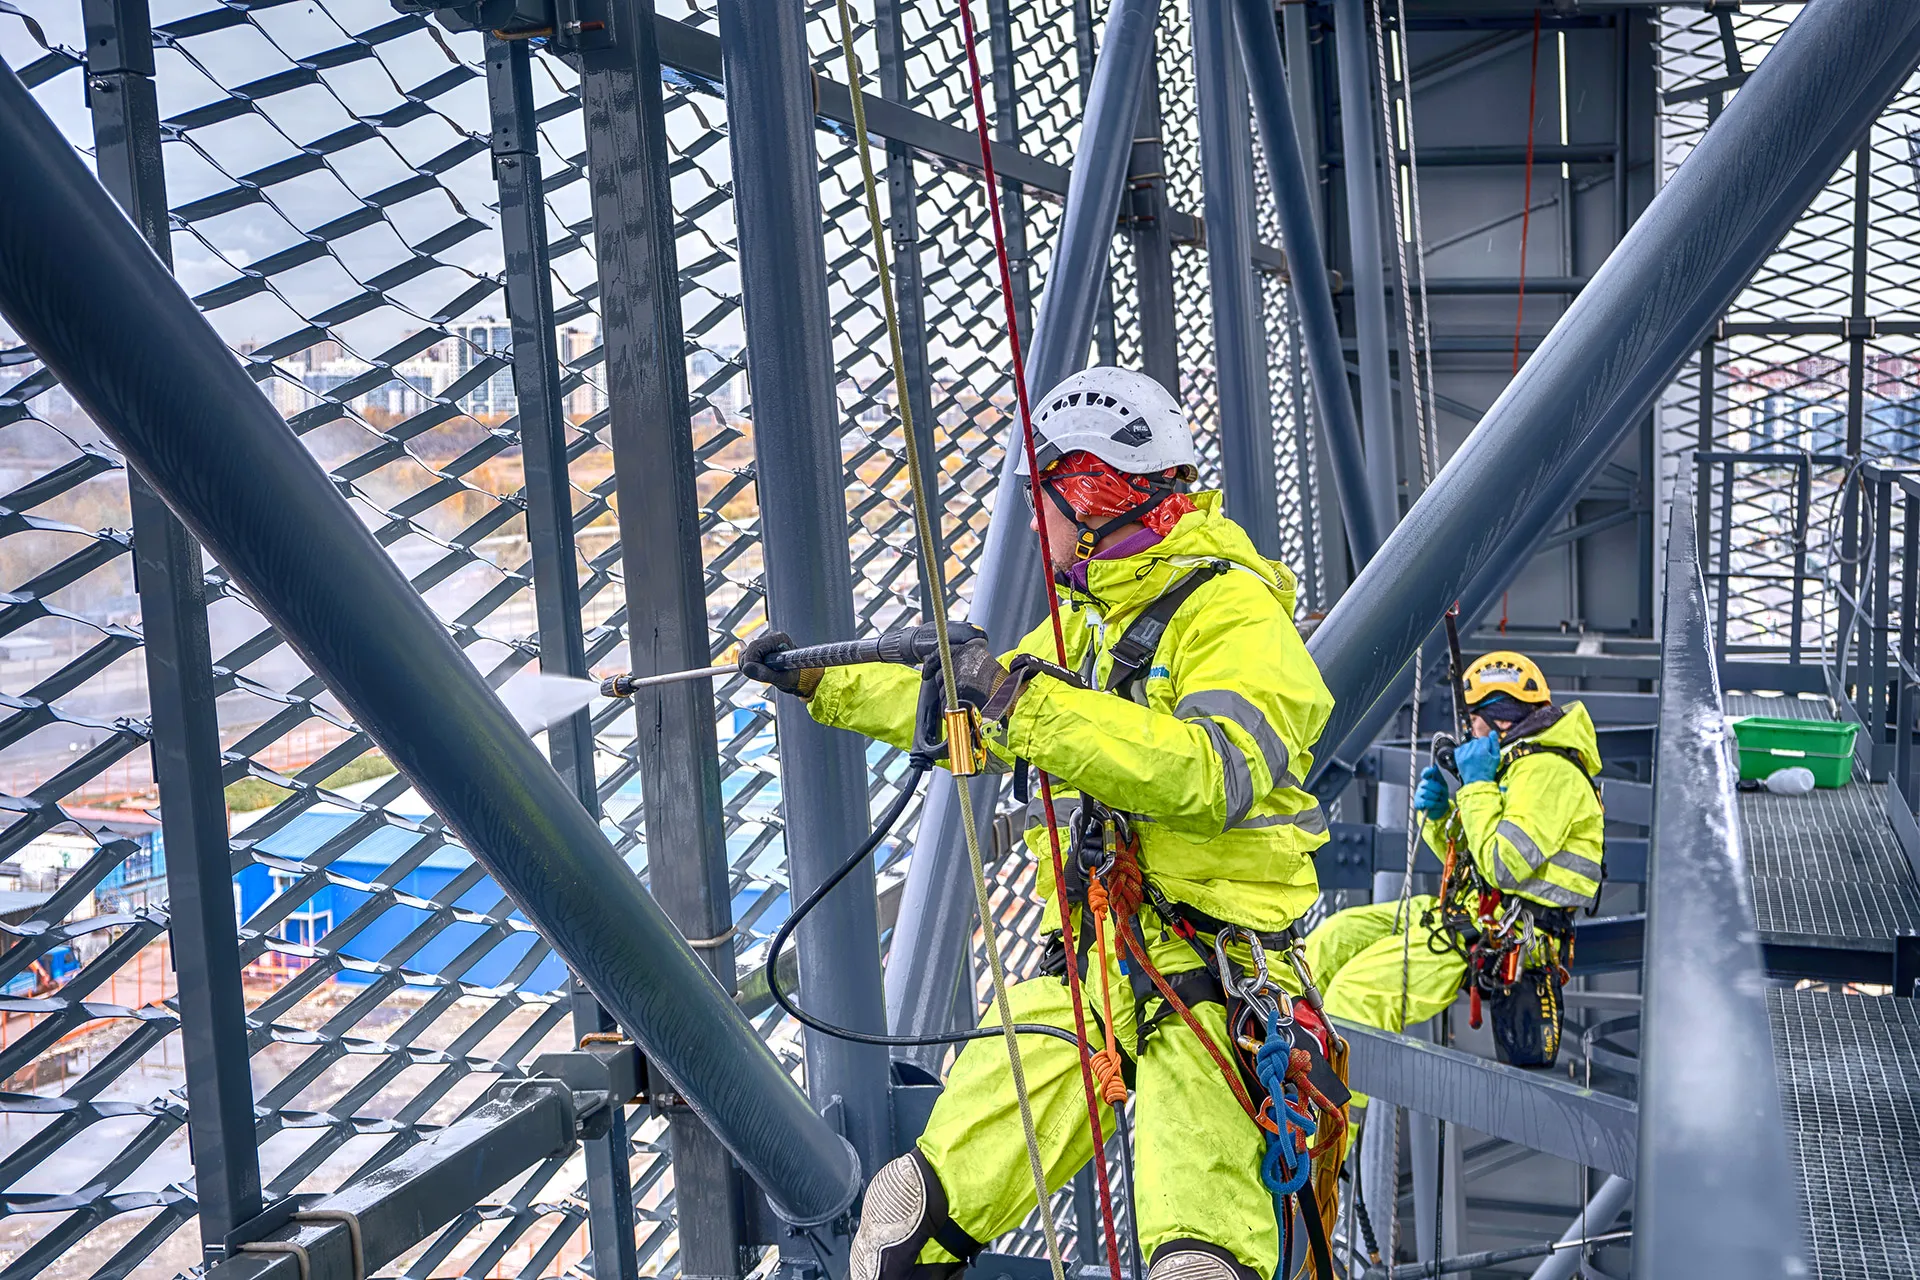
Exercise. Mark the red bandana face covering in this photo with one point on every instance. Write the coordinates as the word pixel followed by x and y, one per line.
pixel 1094 490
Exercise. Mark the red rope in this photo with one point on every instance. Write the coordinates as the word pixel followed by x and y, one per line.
pixel 1059 639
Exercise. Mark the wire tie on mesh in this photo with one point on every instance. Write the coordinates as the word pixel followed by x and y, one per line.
pixel 352 1222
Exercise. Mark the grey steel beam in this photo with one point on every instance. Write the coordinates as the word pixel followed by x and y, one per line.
pixel 931 944
pixel 803 536
pixel 1006 133
pixel 527 277
pixel 1293 194
pixel 1715 1162
pixel 1358 92
pixel 1239 332
pixel 1533 1110
pixel 371 1221
pixel 1150 232
pixel 1496 157
pixel 87 294
pixel 1650 306
pixel 655 478
pixel 185 727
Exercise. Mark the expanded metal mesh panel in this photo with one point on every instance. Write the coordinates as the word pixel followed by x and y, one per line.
pixel 1788 373
pixel 334 214
pixel 1849 1066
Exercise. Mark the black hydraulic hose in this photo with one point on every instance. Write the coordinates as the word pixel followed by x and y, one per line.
pixel 867 846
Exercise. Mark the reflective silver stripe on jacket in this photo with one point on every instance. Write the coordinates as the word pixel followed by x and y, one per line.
pixel 1313 821
pixel 1229 705
pixel 1234 768
pixel 1536 885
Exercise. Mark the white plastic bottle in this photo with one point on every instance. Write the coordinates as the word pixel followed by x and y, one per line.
pixel 1796 780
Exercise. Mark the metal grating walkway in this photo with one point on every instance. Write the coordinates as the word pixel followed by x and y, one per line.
pixel 1850 1089
pixel 1826 867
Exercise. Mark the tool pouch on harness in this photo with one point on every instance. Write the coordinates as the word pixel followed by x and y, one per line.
pixel 1526 1020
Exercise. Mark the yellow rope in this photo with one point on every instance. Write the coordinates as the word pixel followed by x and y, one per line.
pixel 937 603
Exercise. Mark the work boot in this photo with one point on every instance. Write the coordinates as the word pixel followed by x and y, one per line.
pixel 905 1207
pixel 1197 1260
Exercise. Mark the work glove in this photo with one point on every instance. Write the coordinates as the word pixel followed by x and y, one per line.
pixel 1478 759
pixel 1431 799
pixel 977 676
pixel 753 665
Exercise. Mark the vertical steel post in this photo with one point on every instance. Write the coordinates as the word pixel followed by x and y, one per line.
pixel 1146 221
pixel 1106 342
pixel 1312 289
pixel 185 728
pixel 556 579
pixel 931 942
pixel 909 281
pixel 1239 332
pixel 1361 146
pixel 803 531
pixel 1006 130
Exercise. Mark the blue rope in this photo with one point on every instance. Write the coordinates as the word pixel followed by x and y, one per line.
pixel 1286 1166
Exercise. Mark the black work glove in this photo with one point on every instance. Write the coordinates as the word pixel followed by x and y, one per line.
pixel 977 676
pixel 753 665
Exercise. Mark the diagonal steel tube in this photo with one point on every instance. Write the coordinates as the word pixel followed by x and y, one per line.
pixel 1649 307
pixel 1312 290
pixel 935 931
pixel 87 294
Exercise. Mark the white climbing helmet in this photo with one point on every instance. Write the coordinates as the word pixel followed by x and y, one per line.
pixel 1123 418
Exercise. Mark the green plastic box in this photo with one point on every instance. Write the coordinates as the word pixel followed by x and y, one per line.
pixel 1824 746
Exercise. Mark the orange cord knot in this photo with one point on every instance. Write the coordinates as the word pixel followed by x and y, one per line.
pixel 1106 1070
pixel 1333 1120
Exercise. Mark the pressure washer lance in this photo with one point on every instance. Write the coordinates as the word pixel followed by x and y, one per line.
pixel 908 646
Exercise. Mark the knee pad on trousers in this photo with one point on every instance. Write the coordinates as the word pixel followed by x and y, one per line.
pixel 905 1207
pixel 1197 1260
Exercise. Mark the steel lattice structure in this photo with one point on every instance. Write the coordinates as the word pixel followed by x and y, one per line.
pixel 333 213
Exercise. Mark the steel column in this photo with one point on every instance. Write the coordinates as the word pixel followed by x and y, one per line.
pixel 1650 306
pixel 556 579
pixel 1006 131
pixel 1145 215
pixel 1361 146
pixel 81 287
pixel 1239 333
pixel 1293 196
pixel 932 941
pixel 185 730
pixel 803 535
pixel 1714 1159
pixel 655 475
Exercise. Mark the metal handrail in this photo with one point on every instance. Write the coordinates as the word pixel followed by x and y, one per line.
pixel 1716 1190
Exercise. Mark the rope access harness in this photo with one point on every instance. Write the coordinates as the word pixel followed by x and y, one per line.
pixel 1115 888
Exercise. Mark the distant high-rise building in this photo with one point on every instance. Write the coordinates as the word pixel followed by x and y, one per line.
pixel 474 343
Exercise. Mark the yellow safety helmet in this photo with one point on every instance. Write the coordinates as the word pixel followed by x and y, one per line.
pixel 1504 671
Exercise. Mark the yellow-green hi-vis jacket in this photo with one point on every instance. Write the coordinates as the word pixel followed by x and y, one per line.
pixel 1536 832
pixel 1211 767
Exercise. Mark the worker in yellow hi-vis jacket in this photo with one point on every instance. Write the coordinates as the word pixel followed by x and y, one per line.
pixel 1200 735
pixel 1521 840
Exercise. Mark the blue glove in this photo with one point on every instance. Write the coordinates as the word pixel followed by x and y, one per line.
pixel 1431 800
pixel 1478 759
